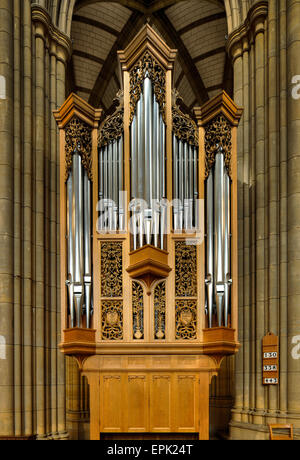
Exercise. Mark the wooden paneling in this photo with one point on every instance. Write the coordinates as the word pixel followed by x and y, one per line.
pixel 186 402
pixel 161 403
pixel 138 403
pixel 110 402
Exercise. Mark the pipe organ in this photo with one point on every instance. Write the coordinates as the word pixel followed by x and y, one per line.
pixel 149 247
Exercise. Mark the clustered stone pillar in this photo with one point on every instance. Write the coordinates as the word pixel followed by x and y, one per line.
pixel 33 56
pixel 6 219
pixel 265 52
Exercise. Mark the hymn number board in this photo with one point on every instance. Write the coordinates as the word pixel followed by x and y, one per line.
pixel 270 350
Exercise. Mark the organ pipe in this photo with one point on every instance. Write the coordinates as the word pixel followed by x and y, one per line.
pixel 148 170
pixel 185 184
pixel 218 241
pixel 77 199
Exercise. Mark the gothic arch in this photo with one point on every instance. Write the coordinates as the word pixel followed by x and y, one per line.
pixel 61 11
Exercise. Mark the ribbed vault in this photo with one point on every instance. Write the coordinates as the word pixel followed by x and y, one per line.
pixel 197 28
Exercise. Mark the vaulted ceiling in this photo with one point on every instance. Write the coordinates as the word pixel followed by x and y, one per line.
pixel 196 28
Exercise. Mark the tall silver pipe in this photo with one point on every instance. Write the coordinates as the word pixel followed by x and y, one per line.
pixel 181 186
pixel 191 188
pixel 227 247
pixel 210 245
pixel 162 156
pixel 115 180
pixel 70 279
pixel 186 185
pixel 148 193
pixel 110 185
pixel 101 191
pixel 134 158
pixel 87 247
pixel 78 232
pixel 219 234
pixel 175 181
pixel 195 166
pixel 140 146
pixel 121 204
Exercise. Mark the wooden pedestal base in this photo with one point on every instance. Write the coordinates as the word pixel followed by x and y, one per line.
pixel 149 394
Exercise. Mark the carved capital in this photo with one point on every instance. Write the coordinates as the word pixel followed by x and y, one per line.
pixel 254 24
pixel 45 29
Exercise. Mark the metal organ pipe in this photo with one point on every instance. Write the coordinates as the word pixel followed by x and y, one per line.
pixel 227 248
pixel 78 234
pixel 70 249
pixel 87 248
pixel 148 169
pixel 219 205
pixel 210 246
pixel 218 241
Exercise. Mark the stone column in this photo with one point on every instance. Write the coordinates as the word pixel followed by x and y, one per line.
pixel 293 113
pixel 6 220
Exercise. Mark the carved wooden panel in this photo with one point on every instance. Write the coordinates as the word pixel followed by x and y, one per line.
pixel 137 310
pixel 79 138
pixel 147 66
pixel 111 269
pixel 112 319
pixel 218 134
pixel 185 270
pixel 186 319
pixel 160 311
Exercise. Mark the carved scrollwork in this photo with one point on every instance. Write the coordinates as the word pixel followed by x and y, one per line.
pixel 186 319
pixel 137 310
pixel 160 311
pixel 147 66
pixel 111 269
pixel 113 127
pixel 218 135
pixel 78 137
pixel 185 270
pixel 184 126
pixel 112 319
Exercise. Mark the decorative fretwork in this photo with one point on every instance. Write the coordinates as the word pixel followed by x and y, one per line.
pixel 185 270
pixel 186 319
pixel 184 126
pixel 112 319
pixel 160 311
pixel 111 269
pixel 218 135
pixel 113 127
pixel 79 138
pixel 147 66
pixel 137 310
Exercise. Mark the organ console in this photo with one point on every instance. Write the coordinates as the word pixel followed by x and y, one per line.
pixel 149 247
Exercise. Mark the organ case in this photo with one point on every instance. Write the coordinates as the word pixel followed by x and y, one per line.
pixel 149 247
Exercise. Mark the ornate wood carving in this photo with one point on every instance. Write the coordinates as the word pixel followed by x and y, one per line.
pixel 185 270
pixel 78 137
pixel 147 66
pixel 112 319
pixel 160 311
pixel 218 135
pixel 186 319
pixel 137 310
pixel 111 269
pixel 184 126
pixel 113 127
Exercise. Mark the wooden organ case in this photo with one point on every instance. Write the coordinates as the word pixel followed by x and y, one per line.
pixel 149 247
